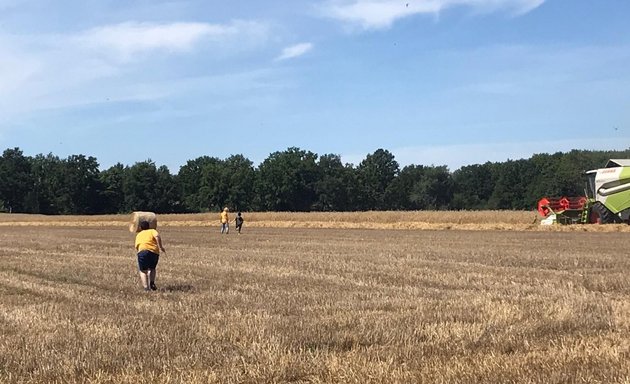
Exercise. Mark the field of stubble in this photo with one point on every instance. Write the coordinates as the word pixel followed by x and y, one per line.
pixel 315 305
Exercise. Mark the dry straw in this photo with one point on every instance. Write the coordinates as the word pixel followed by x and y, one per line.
pixel 410 220
pixel 138 217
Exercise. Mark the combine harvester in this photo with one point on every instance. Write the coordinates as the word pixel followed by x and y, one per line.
pixel 607 199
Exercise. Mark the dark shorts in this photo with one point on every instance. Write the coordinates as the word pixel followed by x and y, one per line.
pixel 147 260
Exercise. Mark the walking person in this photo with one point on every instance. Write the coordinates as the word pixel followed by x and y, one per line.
pixel 148 246
pixel 225 221
pixel 239 222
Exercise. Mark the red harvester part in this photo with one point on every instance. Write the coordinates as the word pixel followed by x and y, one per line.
pixel 548 205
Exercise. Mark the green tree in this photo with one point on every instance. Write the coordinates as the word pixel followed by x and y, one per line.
pixel 211 183
pixel 79 188
pixel 239 175
pixel 167 194
pixel 333 185
pixel 419 187
pixel 512 181
pixel 197 183
pixel 374 175
pixel 212 192
pixel 286 181
pixel 48 181
pixel 148 188
pixel 16 180
pixel 545 181
pixel 473 186
pixel 112 195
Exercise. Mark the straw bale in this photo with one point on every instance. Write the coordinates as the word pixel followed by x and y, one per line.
pixel 137 217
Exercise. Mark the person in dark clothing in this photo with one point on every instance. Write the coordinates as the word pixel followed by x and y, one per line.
pixel 239 222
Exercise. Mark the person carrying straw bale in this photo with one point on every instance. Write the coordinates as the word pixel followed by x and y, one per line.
pixel 148 247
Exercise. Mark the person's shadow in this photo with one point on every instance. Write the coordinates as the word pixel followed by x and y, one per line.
pixel 178 288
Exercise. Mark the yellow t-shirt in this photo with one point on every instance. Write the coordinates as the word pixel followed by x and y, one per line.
pixel 146 240
pixel 224 217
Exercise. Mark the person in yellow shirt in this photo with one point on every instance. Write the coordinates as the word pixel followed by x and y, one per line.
pixel 148 246
pixel 225 221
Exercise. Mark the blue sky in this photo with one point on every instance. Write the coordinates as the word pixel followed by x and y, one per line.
pixel 435 82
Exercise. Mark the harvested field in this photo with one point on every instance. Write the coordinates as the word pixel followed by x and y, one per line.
pixel 298 303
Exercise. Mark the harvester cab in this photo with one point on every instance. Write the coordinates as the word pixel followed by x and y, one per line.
pixel 607 198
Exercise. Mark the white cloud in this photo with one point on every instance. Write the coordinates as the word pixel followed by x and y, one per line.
pixel 295 51
pixel 380 14
pixel 15 71
pixel 130 38
pixel 107 63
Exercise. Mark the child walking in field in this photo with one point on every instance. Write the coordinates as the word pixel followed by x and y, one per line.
pixel 239 222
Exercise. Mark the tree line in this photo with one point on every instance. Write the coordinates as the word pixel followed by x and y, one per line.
pixel 290 180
